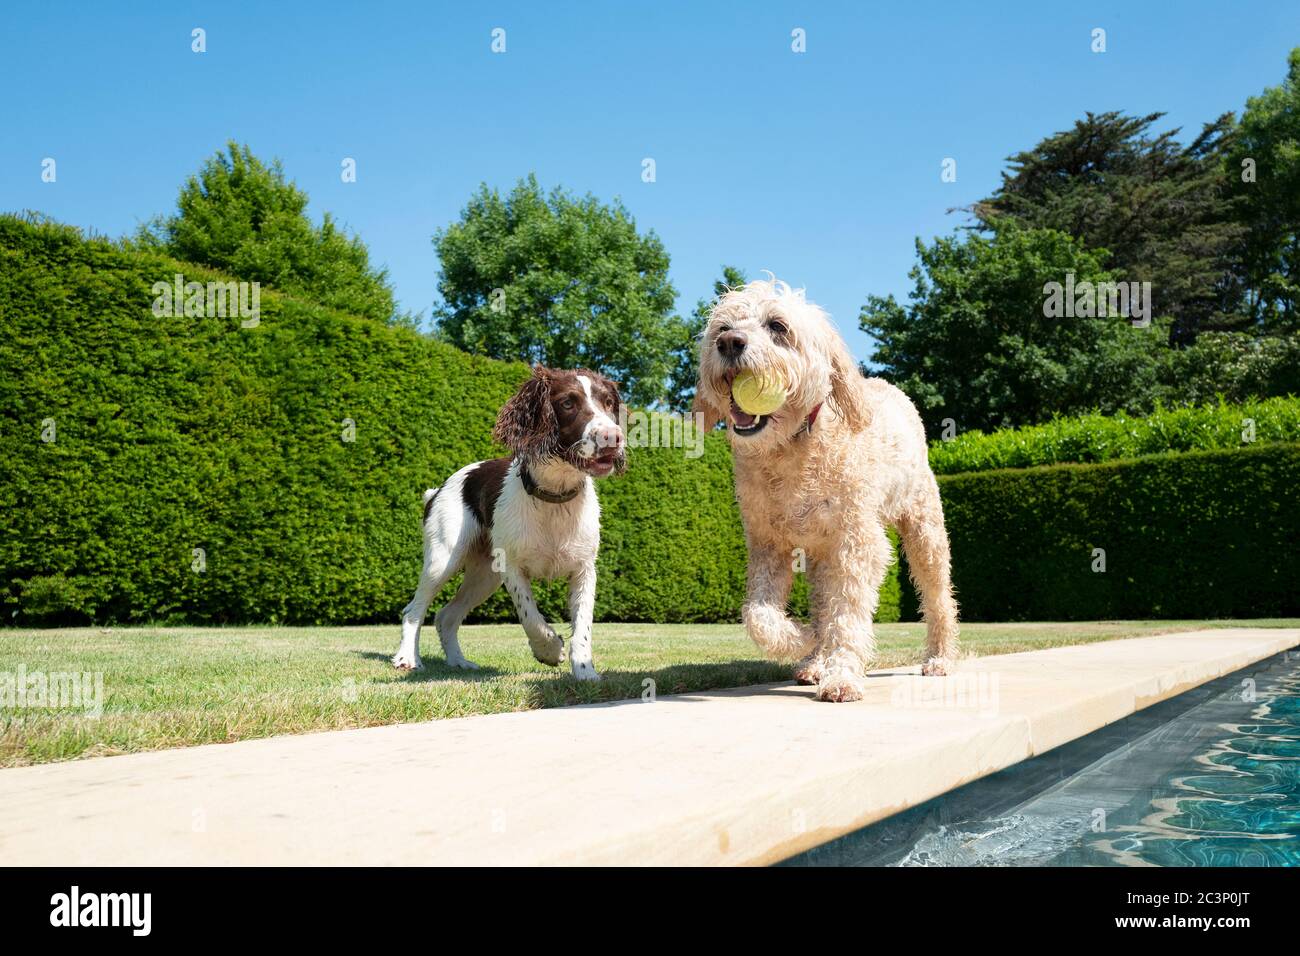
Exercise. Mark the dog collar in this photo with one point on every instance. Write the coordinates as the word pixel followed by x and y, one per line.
pixel 812 417
pixel 552 497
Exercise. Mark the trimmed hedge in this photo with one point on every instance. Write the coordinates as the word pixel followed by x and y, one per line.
pixel 1093 438
pixel 178 434
pixel 1192 535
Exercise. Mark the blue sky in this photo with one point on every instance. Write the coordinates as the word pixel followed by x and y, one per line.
pixel 822 167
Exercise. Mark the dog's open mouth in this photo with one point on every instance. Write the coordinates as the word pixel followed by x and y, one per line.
pixel 603 462
pixel 743 423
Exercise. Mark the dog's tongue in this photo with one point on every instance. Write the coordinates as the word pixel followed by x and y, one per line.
pixel 741 418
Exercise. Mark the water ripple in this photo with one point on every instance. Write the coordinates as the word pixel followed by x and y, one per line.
pixel 1241 806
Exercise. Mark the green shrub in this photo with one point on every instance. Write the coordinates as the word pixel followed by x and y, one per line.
pixel 185 442
pixel 172 435
pixel 1094 438
pixel 241 216
pixel 1193 535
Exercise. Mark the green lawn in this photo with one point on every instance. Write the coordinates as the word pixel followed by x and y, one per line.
pixel 176 687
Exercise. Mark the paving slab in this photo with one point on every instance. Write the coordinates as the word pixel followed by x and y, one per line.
pixel 744 776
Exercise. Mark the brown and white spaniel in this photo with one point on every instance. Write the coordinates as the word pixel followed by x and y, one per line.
pixel 531 515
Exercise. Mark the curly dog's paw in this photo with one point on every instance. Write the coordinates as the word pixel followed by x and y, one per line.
pixel 809 670
pixel 937 667
pixel 780 637
pixel 840 688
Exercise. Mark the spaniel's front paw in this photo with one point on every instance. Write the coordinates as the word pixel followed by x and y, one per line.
pixel 548 648
pixel 407 661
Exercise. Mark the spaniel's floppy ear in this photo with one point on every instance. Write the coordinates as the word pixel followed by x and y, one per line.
pixel 847 387
pixel 527 424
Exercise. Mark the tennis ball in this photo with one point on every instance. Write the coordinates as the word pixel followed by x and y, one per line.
pixel 758 394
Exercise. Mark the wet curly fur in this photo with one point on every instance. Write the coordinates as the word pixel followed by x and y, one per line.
pixel 818 481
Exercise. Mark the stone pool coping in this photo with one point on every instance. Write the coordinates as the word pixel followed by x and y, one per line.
pixel 750 775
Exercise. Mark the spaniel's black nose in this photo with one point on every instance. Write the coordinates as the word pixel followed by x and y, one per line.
pixel 731 344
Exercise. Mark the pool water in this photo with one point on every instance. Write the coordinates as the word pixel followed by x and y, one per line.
pixel 1210 778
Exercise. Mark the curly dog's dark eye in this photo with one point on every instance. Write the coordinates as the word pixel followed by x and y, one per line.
pixel 778 328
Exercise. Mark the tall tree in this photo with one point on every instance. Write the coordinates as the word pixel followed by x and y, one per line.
pixel 561 280
pixel 1162 210
pixel 243 217
pixel 978 343
pixel 1264 170
pixel 681 385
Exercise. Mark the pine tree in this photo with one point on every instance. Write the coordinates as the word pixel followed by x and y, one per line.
pixel 242 216
pixel 1163 210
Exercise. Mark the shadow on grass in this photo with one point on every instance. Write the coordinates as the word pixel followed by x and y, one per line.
pixel 434 669
pixel 558 688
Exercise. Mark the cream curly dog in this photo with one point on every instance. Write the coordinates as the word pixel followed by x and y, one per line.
pixel 818 481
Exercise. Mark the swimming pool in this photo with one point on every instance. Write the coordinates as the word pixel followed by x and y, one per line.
pixel 1209 778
